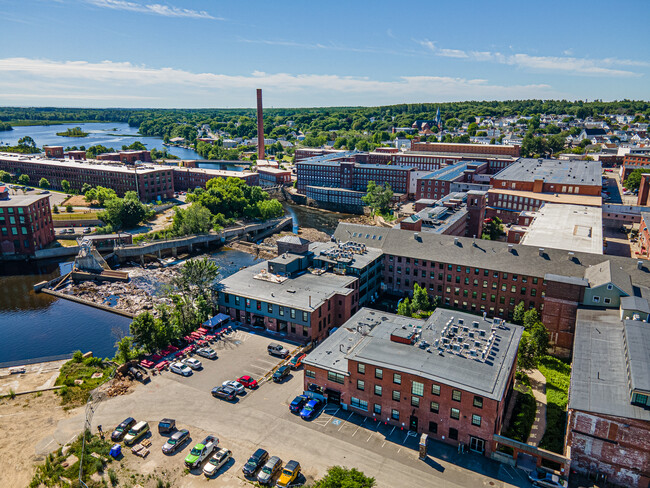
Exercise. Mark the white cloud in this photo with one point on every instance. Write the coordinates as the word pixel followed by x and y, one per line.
pixel 573 65
pixel 153 8
pixel 109 81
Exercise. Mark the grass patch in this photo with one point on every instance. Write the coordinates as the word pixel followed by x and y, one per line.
pixel 67 242
pixel 558 375
pixel 75 216
pixel 50 472
pixel 523 417
pixel 73 394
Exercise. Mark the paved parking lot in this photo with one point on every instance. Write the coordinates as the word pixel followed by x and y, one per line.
pixel 262 419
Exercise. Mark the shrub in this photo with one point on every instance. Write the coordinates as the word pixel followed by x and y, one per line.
pixel 112 476
pixel 68 208
pixel 78 357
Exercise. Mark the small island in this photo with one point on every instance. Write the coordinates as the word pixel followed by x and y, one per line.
pixel 75 132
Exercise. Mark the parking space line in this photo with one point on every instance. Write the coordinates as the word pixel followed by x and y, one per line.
pixel 345 421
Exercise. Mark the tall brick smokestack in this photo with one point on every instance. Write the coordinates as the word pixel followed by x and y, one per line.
pixel 260 126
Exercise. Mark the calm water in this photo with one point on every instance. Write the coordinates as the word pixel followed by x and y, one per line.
pixel 35 325
pixel 109 134
pixel 316 219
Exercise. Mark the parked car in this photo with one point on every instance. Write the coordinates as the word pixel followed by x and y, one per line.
pixel 166 426
pixel 277 350
pixel 296 361
pixel 192 363
pixel 216 462
pixel 44 192
pixel 281 373
pixel 87 230
pixel 207 352
pixel 137 432
pixel 289 474
pixel 201 452
pixel 247 381
pixel 235 385
pixel 545 480
pixel 269 470
pixel 121 430
pixel 297 403
pixel 224 392
pixel 310 409
pixel 254 462
pixel 180 368
pixel 175 441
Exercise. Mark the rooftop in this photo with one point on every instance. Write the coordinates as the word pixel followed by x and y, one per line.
pixel 20 199
pixel 448 173
pixel 599 380
pixel 553 171
pixel 452 348
pixel 355 255
pixel 304 292
pixel 567 198
pixel 494 255
pixel 114 166
pixel 569 227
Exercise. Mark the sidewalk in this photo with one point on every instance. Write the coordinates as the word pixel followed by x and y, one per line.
pixel 538 384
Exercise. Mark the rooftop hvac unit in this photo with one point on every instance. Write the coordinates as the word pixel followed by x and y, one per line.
pixel 481 333
pixel 461 321
pixel 473 352
pixel 471 334
pixel 465 329
pixel 465 346
pixel 454 329
pixel 456 347
pixel 475 324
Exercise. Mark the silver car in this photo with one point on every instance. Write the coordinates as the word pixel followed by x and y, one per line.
pixel 175 441
pixel 217 461
pixel 193 363
pixel 207 352
pixel 270 469
pixel 180 368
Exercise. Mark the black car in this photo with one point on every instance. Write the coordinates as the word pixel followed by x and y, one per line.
pixel 175 441
pixel 281 373
pixel 255 462
pixel 166 426
pixel 121 430
pixel 297 403
pixel 224 392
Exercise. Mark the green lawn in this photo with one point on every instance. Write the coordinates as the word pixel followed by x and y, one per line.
pixel 73 394
pixel 558 375
pixel 74 216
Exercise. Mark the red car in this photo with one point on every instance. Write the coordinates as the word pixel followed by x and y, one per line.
pixel 296 361
pixel 248 381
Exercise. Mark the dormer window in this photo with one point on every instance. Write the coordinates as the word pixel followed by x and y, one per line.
pixel 610 286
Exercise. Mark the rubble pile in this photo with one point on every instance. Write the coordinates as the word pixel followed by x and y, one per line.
pixel 119 386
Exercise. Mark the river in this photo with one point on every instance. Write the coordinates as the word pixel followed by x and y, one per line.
pixel 311 217
pixel 109 134
pixel 35 325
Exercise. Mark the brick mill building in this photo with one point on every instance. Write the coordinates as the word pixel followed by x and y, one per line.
pixel 450 376
pixel 25 222
pixel 492 277
pixel 608 426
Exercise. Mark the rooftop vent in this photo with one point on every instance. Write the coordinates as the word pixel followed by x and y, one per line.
pixel 475 324
pixel 541 251
pixel 456 241
pixel 511 247
pixel 639 265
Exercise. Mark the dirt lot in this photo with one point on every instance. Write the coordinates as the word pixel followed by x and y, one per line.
pixel 76 201
pixel 37 376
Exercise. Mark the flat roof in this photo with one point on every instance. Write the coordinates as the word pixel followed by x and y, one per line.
pixel 568 198
pixel 18 199
pixel 495 255
pixel 359 260
pixel 91 164
pixel 304 292
pixel 366 338
pixel 213 172
pixel 570 227
pixel 448 173
pixel 553 171
pixel 599 380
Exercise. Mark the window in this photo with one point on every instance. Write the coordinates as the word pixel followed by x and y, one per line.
pixel 361 385
pixel 596 299
pixel 396 395
pixel 476 420
pixel 415 401
pixel 478 402
pixel 394 414
pixel 269 307
pixel 360 404
pixel 237 300
pixel 281 310
pixel 607 300
pixel 259 305
pixel 378 390
pixel 610 286
pixel 361 368
pixel 417 388
pixel 377 409
pixel 335 377
pixel 453 433
pixel 455 395
pixel 248 302
pixel 379 373
pixel 305 316
pixel 292 312
pixel 435 407
pixel 397 378
pixel 310 374
pixel 433 427
pixel 455 413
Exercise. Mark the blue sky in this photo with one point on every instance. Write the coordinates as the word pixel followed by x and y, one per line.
pixel 210 53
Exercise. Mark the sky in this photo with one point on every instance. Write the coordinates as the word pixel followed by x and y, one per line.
pixel 214 54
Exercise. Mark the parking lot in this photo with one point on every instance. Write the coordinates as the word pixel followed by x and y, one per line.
pixel 261 418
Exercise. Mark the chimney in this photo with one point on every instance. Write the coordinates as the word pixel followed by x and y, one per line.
pixel 260 126
pixel 541 252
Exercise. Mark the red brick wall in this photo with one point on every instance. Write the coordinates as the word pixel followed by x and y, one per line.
pixel 616 447
pixel 466 148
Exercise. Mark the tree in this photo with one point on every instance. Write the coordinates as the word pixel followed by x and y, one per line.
pixel 421 302
pixel 493 230
pixel 55 209
pixel 84 188
pixel 124 347
pixel 5 177
pixel 123 213
pixel 539 340
pixel 65 185
pixel 68 208
pixel 526 354
pixel 26 141
pixel 378 198
pixel 195 219
pixel 339 477
pixel 519 313
pixel 143 330
pixel 269 209
pixel 531 318
pixel 404 308
pixel 23 180
pixel 633 180
pixel 43 183
pixel 196 277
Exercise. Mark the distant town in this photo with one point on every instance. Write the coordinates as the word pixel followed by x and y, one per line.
pixel 477 313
